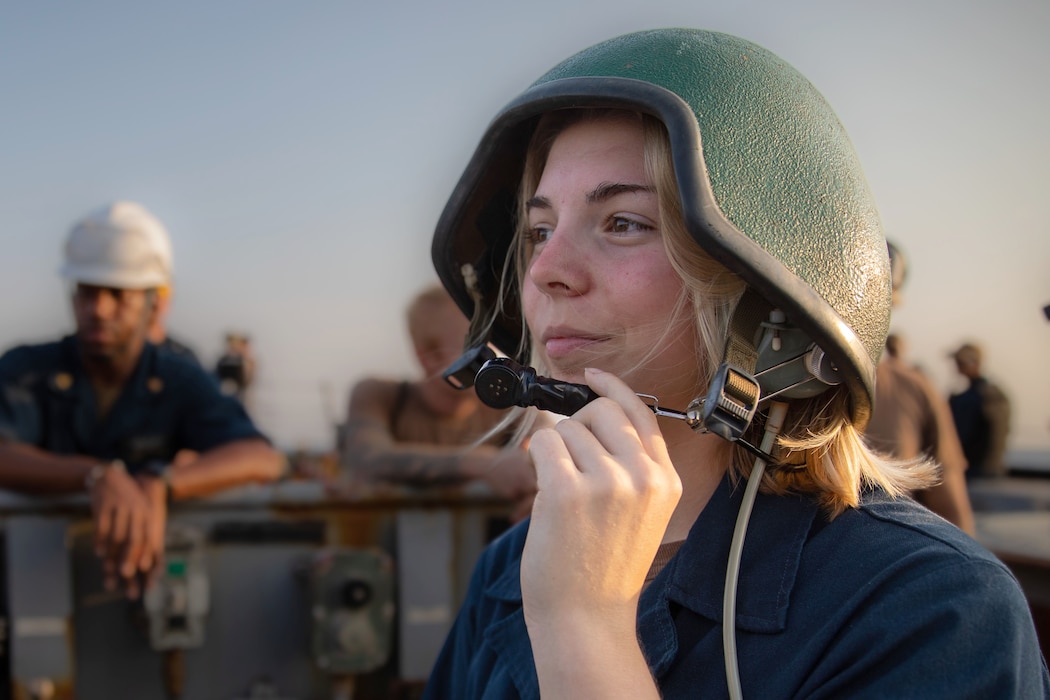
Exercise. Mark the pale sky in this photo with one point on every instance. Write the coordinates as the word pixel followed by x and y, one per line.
pixel 300 153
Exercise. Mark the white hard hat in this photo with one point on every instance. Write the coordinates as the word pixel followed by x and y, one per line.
pixel 121 246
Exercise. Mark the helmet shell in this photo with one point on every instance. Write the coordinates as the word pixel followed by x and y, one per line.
pixel 770 186
pixel 121 246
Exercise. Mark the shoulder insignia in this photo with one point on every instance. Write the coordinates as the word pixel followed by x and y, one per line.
pixel 62 381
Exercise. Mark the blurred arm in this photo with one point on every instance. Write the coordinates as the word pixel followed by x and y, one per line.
pixel 235 463
pixel 30 469
pixel 372 449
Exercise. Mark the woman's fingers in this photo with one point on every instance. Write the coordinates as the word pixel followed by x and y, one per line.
pixel 611 386
pixel 555 469
pixel 643 427
pixel 612 448
pixel 607 489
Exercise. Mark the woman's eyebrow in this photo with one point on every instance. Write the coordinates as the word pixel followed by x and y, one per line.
pixel 537 203
pixel 607 190
pixel 601 193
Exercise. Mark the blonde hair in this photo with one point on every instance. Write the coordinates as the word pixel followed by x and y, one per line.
pixel 819 450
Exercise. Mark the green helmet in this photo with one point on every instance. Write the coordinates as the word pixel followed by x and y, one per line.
pixel 769 182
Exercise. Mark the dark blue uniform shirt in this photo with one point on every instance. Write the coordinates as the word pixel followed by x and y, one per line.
pixel 885 601
pixel 169 404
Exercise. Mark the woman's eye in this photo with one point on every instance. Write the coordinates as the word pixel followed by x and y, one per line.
pixel 539 234
pixel 621 224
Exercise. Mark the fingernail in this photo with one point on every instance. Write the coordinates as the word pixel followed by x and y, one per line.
pixel 593 370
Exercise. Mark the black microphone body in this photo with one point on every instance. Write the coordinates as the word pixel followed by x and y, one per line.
pixel 501 383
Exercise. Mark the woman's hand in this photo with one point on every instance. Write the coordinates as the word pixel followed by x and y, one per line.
pixel 607 490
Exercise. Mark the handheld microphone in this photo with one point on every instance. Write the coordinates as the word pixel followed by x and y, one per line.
pixel 501 383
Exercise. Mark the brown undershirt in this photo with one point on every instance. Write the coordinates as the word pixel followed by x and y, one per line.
pixel 663 555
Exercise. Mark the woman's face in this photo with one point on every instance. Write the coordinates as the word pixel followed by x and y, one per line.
pixel 599 290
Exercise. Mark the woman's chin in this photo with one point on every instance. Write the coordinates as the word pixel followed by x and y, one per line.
pixel 567 373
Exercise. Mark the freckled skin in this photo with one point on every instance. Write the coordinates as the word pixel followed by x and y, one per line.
pixel 599 287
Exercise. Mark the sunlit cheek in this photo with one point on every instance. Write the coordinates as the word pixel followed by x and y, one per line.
pixel 529 301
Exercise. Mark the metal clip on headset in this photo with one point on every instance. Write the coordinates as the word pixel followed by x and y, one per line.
pixel 729 407
pixel 730 404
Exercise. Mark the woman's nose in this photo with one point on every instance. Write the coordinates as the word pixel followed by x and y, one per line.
pixel 560 264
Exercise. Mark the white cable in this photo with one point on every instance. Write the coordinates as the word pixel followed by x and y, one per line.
pixel 774 423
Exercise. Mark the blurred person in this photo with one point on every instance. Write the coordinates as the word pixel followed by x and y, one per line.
pixel 679 214
pixel 911 420
pixel 152 229
pixel 424 432
pixel 982 415
pixel 106 412
pixel 158 331
pixel 235 369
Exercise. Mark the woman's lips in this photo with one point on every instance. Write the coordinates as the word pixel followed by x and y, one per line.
pixel 558 346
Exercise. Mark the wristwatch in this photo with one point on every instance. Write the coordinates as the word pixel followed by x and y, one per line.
pixel 99 470
pixel 159 469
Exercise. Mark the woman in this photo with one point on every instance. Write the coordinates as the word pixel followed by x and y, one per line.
pixel 692 225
